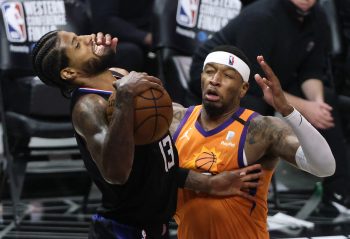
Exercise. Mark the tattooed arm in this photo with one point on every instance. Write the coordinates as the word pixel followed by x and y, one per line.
pixel 90 123
pixel 89 120
pixel 268 139
pixel 112 145
pixel 294 140
pixel 179 113
pixel 229 183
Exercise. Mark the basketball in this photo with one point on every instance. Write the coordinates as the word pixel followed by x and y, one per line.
pixel 205 161
pixel 153 114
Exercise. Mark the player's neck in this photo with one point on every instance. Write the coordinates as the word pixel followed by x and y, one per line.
pixel 209 122
pixel 101 81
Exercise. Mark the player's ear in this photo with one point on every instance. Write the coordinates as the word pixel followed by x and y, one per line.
pixel 68 73
pixel 244 89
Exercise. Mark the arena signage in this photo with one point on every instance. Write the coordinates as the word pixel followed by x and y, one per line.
pixel 27 21
pixel 198 19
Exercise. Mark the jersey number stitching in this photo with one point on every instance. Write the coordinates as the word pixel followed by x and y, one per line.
pixel 169 161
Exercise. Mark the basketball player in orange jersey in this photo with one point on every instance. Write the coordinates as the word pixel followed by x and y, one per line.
pixel 219 135
pixel 138 183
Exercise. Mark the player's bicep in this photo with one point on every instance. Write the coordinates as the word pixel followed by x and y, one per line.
pixel 89 121
pixel 285 144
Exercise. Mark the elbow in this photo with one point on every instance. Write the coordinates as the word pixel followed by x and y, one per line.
pixel 328 169
pixel 115 176
pixel 116 170
pixel 332 167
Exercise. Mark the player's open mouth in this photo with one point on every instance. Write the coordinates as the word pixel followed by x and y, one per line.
pixel 212 95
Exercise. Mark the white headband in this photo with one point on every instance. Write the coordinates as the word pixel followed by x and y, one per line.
pixel 231 60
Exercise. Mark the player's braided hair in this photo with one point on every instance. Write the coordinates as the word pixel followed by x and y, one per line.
pixel 48 60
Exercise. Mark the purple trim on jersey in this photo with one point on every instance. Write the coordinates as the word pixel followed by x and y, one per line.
pixel 220 127
pixel 242 140
pixel 92 90
pixel 182 123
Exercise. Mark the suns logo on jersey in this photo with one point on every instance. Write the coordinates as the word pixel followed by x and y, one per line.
pixel 14 21
pixel 187 12
pixel 204 161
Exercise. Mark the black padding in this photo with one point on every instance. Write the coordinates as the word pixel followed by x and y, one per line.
pixel 21 125
pixel 29 96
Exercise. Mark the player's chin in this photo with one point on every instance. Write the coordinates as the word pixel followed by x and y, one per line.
pixel 212 108
pixel 212 103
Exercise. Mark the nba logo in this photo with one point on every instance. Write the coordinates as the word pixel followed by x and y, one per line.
pixel 14 21
pixel 230 60
pixel 187 12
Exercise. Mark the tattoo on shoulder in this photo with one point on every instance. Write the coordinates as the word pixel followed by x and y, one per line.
pixel 179 111
pixel 263 129
pixel 267 128
pixel 254 129
pixel 178 114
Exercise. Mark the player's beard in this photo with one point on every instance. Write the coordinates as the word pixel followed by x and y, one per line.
pixel 98 65
pixel 213 110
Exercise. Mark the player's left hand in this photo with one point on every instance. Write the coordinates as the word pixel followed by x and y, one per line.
pixel 236 183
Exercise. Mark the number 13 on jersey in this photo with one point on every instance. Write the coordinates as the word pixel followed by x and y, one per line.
pixel 166 148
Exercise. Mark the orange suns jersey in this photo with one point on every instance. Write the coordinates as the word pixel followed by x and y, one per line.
pixel 199 215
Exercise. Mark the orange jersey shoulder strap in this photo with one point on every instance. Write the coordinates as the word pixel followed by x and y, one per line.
pixel 190 110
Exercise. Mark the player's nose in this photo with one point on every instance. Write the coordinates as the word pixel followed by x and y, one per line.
pixel 215 79
pixel 85 39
